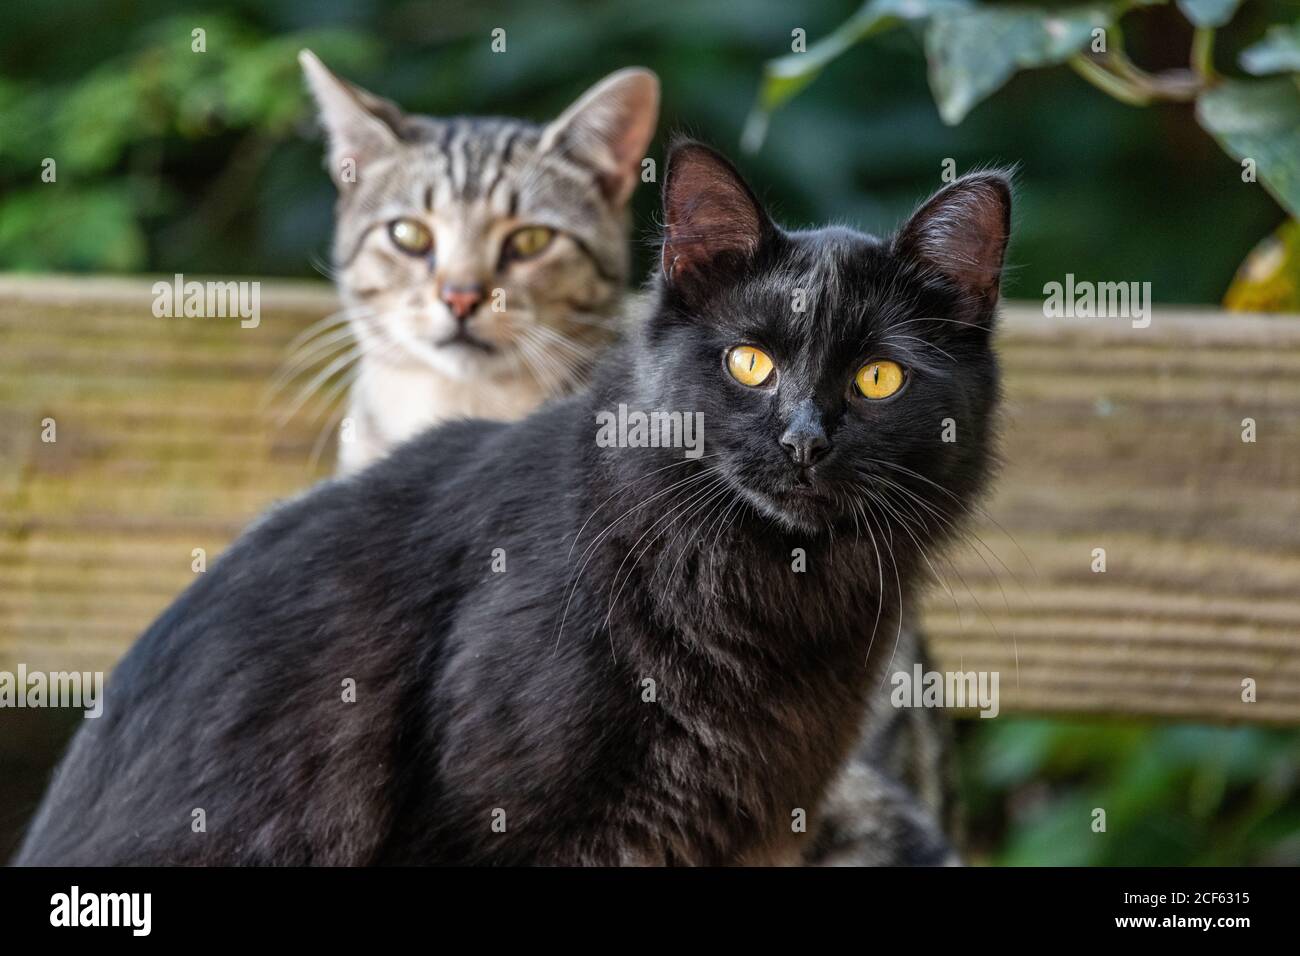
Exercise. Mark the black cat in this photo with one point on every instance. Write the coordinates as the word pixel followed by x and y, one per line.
pixel 510 644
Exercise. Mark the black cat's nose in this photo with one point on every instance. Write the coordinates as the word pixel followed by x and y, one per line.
pixel 805 439
pixel 804 447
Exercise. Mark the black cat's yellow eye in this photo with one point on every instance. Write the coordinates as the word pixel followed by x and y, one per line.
pixel 748 365
pixel 529 241
pixel 879 379
pixel 411 236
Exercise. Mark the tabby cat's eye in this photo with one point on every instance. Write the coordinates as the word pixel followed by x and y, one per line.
pixel 529 241
pixel 879 379
pixel 748 365
pixel 411 236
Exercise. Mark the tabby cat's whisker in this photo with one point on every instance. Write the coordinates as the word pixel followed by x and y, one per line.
pixel 336 398
pixel 333 368
pixel 307 355
pixel 541 366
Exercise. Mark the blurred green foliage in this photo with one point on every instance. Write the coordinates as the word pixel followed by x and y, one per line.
pixel 171 160
pixel 174 160
pixel 1173 795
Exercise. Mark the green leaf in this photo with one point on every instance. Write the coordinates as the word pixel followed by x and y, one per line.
pixel 972 53
pixel 1209 13
pixel 1278 52
pixel 1261 122
pixel 785 76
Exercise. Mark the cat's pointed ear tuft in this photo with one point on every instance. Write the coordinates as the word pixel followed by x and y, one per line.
pixel 609 129
pixel 711 218
pixel 360 126
pixel 961 233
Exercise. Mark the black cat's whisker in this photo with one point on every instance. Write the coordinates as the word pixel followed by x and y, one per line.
pixel 882 500
pixel 622 488
pixel 979 605
pixel 957 532
pixel 692 491
pixel 965 534
pixel 731 516
pixel 714 504
pixel 940 579
pixel 982 610
pixel 693 497
pixel 968 509
pixel 585 557
pixel 898 634
pixel 719 523
pixel 868 513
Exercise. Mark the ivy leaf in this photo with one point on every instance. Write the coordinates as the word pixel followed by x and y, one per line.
pixel 1209 13
pixel 1259 121
pixel 1278 52
pixel 972 53
pixel 786 76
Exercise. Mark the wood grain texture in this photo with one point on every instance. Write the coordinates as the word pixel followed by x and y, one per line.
pixel 1116 438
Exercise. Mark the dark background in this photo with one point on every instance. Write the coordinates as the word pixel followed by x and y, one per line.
pixel 170 161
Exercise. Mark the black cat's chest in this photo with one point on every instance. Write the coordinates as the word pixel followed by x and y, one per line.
pixel 755 703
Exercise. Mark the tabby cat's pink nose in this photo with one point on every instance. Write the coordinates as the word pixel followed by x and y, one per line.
pixel 462 299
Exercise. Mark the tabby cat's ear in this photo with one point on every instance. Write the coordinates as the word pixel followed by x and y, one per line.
pixel 712 221
pixel 961 233
pixel 359 125
pixel 609 128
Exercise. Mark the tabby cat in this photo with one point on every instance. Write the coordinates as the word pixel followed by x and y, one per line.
pixel 481 262
pixel 513 643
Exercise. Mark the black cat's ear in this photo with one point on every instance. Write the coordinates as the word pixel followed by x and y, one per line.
pixel 961 233
pixel 712 221
pixel 359 125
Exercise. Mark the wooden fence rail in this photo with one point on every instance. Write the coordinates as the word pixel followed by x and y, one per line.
pixel 1116 438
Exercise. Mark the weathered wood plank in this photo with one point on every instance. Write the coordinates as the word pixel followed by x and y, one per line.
pixel 1117 438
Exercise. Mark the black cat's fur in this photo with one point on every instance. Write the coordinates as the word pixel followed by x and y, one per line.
pixel 505 716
